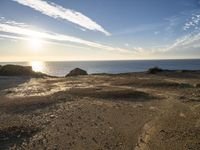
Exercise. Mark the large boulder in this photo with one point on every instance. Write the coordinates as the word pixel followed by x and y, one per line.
pixel 77 72
pixel 16 70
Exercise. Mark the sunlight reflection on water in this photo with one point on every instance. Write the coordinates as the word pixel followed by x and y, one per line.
pixel 38 66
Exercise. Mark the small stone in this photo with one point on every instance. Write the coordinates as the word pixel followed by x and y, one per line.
pixel 52 116
pixel 182 115
pixel 110 128
pixel 139 105
pixel 152 108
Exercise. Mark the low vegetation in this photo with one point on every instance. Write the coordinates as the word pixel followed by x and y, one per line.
pixel 155 70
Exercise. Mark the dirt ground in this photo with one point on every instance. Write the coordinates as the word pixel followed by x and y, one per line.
pixel 136 111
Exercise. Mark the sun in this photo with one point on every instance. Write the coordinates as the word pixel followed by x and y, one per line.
pixel 35 44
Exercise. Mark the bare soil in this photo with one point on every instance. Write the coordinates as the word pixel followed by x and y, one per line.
pixel 135 111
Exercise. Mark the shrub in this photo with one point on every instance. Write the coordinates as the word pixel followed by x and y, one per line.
pixel 154 70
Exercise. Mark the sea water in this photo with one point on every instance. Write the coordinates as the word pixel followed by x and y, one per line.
pixel 62 68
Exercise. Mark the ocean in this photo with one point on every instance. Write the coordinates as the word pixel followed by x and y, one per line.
pixel 62 68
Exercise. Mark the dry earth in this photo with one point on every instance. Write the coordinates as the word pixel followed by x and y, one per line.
pixel 135 111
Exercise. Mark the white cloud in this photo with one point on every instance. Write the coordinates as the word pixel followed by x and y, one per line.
pixel 184 43
pixel 14 23
pixel 58 12
pixel 16 38
pixel 22 30
pixel 140 50
pixel 193 22
pixel 190 39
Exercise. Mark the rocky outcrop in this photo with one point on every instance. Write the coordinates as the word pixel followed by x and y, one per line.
pixel 77 72
pixel 16 70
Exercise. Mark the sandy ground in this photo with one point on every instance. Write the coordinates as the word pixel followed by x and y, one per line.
pixel 135 111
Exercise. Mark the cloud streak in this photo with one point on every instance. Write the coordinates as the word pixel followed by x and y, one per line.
pixel 15 38
pixel 185 43
pixel 58 12
pixel 188 41
pixel 22 30
pixel 138 29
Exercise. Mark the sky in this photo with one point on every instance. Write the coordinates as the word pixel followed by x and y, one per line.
pixel 62 30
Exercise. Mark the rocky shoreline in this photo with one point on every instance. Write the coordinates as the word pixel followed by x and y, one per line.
pixel 147 110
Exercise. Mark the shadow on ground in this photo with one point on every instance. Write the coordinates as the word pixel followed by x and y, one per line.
pixel 112 94
pixel 9 82
pixel 15 135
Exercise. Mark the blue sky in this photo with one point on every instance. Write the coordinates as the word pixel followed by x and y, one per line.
pixel 99 30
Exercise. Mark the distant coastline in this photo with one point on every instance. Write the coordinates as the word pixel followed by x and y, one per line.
pixel 61 68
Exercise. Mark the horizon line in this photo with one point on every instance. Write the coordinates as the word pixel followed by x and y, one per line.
pixel 100 60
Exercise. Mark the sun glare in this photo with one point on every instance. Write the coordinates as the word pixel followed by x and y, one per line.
pixel 35 44
pixel 37 66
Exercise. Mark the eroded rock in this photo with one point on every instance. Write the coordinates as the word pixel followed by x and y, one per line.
pixel 77 72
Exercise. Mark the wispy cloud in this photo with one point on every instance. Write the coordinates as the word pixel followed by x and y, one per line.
pixel 192 38
pixel 187 41
pixel 184 43
pixel 16 38
pixel 59 12
pixel 137 29
pixel 21 30
pixel 193 22
pixel 140 50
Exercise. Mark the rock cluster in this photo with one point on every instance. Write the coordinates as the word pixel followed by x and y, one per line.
pixel 77 72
